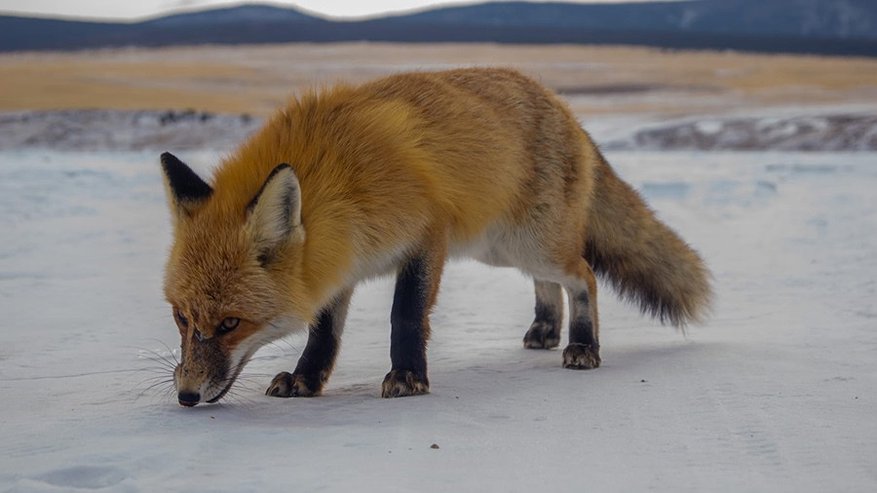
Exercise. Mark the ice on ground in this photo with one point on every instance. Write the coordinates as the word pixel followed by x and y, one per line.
pixel 115 130
pixel 775 393
pixel 822 131
pixel 834 128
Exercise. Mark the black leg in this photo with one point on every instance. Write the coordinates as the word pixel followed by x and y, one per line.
pixel 583 351
pixel 318 359
pixel 416 286
pixel 581 327
pixel 544 332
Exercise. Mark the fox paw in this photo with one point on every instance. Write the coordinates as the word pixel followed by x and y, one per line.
pixel 401 383
pixel 542 335
pixel 286 384
pixel 581 356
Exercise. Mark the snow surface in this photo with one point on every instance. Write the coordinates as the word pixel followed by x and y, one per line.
pixel 830 128
pixel 775 393
pixel 116 130
pixel 814 128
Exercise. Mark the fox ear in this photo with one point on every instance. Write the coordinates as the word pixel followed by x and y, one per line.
pixel 275 212
pixel 185 189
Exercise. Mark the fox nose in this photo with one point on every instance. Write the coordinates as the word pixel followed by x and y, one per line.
pixel 189 399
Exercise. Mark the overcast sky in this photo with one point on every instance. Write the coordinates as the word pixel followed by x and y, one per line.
pixel 124 9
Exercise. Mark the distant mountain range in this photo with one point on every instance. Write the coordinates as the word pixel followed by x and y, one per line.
pixel 835 27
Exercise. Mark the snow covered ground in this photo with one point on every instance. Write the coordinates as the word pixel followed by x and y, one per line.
pixel 114 130
pixel 828 128
pixel 775 393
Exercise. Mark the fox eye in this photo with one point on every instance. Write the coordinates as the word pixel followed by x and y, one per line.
pixel 228 325
pixel 181 319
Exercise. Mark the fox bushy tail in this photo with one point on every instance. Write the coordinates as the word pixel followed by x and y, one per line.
pixel 645 261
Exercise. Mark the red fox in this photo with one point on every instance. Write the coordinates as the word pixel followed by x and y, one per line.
pixel 394 177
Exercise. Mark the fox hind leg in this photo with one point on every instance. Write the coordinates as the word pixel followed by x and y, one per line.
pixel 544 332
pixel 318 358
pixel 583 351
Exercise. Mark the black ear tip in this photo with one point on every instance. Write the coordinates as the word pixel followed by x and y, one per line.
pixel 184 182
pixel 169 159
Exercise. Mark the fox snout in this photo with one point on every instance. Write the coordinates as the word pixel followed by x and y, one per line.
pixel 188 385
pixel 203 374
pixel 200 385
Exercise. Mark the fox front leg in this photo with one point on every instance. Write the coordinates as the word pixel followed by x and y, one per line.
pixel 416 289
pixel 318 359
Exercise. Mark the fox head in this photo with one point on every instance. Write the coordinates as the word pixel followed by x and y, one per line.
pixel 230 276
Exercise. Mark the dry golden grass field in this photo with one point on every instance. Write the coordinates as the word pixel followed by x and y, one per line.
pixel 596 80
